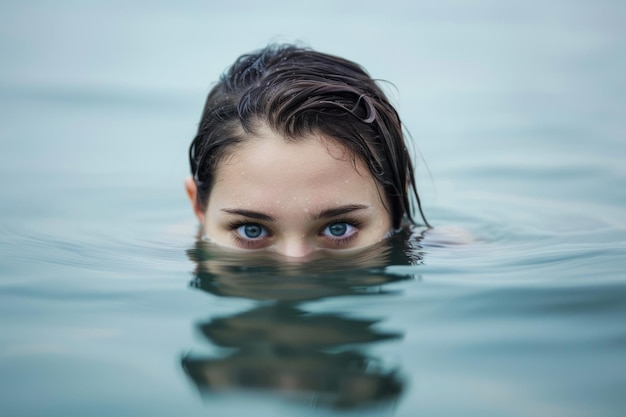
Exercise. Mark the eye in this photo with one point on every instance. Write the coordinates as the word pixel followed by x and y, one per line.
pixel 252 231
pixel 339 230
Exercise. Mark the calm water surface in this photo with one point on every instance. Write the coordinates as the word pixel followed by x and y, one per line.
pixel 109 306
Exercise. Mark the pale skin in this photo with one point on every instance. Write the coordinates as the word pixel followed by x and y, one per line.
pixel 294 198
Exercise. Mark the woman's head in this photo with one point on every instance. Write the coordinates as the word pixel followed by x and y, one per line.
pixel 293 102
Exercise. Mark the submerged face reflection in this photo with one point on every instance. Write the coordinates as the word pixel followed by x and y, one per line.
pixel 293 197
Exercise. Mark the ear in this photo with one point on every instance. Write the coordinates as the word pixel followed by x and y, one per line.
pixel 192 193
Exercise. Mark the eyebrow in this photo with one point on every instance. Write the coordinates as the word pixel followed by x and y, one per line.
pixel 250 213
pixel 324 214
pixel 338 211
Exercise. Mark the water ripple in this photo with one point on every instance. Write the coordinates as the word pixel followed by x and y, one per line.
pixel 93 251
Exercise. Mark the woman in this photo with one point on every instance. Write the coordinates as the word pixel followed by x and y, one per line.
pixel 300 152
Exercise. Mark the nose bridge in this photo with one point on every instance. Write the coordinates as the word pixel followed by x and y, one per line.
pixel 296 246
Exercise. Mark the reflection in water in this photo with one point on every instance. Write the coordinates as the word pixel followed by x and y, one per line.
pixel 317 357
pixel 282 348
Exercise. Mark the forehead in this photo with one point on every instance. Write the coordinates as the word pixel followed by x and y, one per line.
pixel 265 168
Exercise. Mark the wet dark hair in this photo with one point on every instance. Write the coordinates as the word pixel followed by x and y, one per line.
pixel 297 92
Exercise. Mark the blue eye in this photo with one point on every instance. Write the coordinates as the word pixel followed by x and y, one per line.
pixel 339 230
pixel 252 231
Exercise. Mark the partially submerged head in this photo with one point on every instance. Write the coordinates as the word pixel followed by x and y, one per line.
pixel 289 133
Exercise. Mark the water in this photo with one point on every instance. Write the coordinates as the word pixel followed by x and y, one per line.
pixel 108 306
